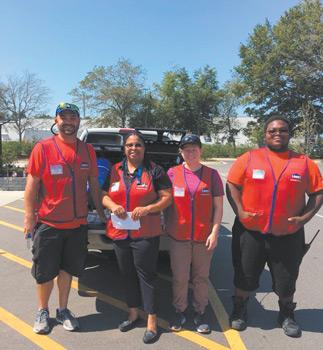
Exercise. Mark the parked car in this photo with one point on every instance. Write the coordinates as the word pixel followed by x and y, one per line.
pixel 161 147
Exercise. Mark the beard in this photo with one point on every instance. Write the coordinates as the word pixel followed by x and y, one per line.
pixel 68 129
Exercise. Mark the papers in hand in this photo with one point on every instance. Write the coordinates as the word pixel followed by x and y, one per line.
pixel 125 224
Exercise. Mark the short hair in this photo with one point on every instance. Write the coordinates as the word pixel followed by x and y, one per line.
pixel 277 117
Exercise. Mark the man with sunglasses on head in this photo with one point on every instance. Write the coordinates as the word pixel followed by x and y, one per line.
pixel 266 188
pixel 56 213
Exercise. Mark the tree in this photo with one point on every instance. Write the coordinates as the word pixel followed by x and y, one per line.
pixel 81 97
pixel 146 115
pixel 188 103
pixel 21 98
pixel 281 67
pixel 10 154
pixel 226 122
pixel 114 92
pixel 205 99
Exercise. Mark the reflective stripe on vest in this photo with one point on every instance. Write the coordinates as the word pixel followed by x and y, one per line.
pixel 274 200
pixel 63 195
pixel 190 216
pixel 138 195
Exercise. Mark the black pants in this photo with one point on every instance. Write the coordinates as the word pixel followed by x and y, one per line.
pixel 251 250
pixel 137 261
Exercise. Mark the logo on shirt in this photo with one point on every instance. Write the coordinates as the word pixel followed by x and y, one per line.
pixel 141 186
pixel 296 177
pixel 84 165
pixel 205 190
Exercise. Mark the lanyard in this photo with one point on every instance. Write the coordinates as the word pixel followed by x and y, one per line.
pixel 71 168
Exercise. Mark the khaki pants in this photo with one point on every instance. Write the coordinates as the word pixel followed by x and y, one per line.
pixel 183 254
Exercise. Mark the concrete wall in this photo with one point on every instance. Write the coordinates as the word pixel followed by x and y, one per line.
pixel 12 183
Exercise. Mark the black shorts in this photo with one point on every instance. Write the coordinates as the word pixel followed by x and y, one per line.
pixel 58 249
pixel 251 250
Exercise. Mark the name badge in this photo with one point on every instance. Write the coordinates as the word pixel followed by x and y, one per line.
pixel 84 165
pixel 115 187
pixel 258 174
pixel 205 191
pixel 141 186
pixel 179 191
pixel 56 169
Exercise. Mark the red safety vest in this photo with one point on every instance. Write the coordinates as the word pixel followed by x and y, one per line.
pixel 274 200
pixel 63 195
pixel 190 217
pixel 138 195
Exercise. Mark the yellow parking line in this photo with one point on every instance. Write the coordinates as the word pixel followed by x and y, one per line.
pixel 191 336
pixel 15 227
pixel 15 258
pixel 232 336
pixel 188 335
pixel 44 342
pixel 13 208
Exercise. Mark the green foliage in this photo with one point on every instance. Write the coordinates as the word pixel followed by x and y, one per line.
pixel 226 123
pixel 255 133
pixel 113 92
pixel 222 151
pixel 281 66
pixel 186 102
pixel 12 151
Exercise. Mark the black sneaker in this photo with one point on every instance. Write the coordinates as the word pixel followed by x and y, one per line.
pixel 201 323
pixel 67 319
pixel 287 321
pixel 177 321
pixel 238 317
pixel 41 325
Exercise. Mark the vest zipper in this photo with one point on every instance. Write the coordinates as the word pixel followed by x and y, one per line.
pixel 272 208
pixel 74 193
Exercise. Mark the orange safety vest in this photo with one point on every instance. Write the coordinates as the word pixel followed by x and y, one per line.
pixel 274 200
pixel 190 217
pixel 63 196
pixel 137 195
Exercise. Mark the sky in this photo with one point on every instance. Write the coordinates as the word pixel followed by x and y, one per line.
pixel 60 41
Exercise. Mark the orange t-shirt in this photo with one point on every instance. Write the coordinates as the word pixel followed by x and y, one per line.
pixel 34 168
pixel 278 161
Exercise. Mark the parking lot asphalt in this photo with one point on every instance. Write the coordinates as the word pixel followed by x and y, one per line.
pixel 97 300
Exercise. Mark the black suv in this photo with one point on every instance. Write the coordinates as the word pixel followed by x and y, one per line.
pixel 161 147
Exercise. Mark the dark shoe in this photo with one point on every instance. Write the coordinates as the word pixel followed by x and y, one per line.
pixel 238 318
pixel 150 337
pixel 67 319
pixel 177 321
pixel 287 321
pixel 41 325
pixel 201 324
pixel 127 325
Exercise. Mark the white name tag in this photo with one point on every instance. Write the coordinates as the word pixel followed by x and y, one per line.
pixel 258 174
pixel 115 187
pixel 179 191
pixel 56 169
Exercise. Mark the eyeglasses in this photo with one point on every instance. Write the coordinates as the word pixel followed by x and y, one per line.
pixel 277 131
pixel 136 145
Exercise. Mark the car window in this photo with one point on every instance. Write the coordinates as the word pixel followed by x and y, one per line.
pixel 104 139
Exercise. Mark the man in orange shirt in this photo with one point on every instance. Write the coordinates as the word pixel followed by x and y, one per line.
pixel 56 213
pixel 266 188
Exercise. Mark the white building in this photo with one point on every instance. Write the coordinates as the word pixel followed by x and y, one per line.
pixel 40 129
